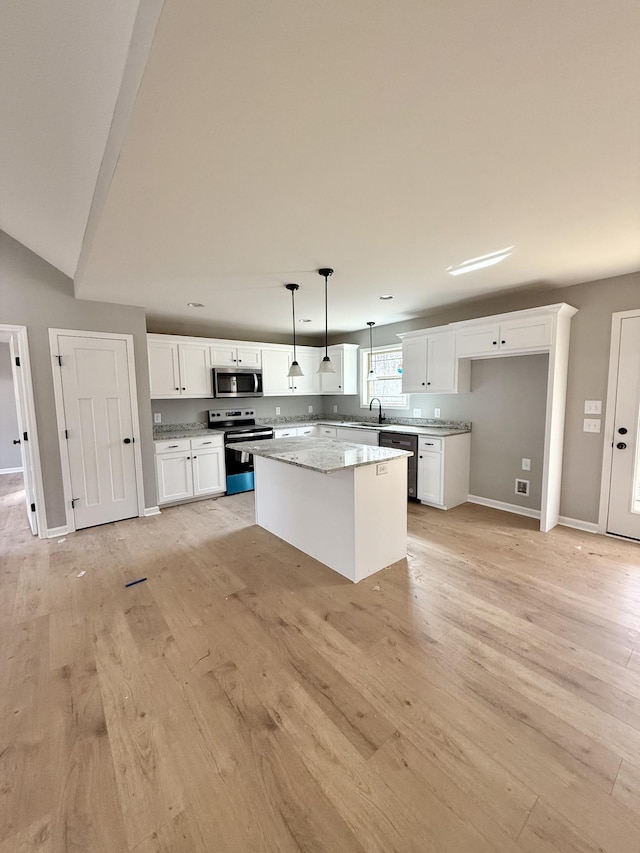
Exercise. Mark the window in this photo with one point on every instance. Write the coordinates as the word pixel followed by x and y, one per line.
pixel 386 363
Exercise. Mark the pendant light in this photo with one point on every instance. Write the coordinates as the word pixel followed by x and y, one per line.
pixel 325 364
pixel 295 369
pixel 372 374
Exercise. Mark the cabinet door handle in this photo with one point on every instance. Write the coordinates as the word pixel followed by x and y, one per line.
pixel 421 457
pixel 177 389
pixel 188 457
pixel 429 443
pixel 171 446
pixel 428 383
pixel 423 383
pixel 184 389
pixel 206 442
pixel 495 343
pixel 503 342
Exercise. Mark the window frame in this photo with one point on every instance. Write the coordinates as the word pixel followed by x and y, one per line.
pixel 364 372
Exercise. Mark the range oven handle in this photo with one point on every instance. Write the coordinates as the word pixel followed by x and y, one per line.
pixel 246 435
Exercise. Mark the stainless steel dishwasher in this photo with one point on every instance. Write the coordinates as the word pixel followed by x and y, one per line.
pixel 405 441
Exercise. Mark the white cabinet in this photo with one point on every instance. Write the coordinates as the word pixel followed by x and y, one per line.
pixel 275 367
pixel 179 369
pixel 443 470
pixel 430 365
pixel 327 432
pixel 175 477
pixel 294 432
pixel 357 436
pixel 188 468
pixel 228 355
pixel 516 336
pixel 344 358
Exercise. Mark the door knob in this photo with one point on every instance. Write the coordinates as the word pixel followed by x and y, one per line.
pixel 623 430
pixel 16 441
pixel 127 441
pixel 621 445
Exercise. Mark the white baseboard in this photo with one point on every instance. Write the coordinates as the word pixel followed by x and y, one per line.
pixel 578 524
pixel 53 532
pixel 151 510
pixel 504 506
pixel 10 470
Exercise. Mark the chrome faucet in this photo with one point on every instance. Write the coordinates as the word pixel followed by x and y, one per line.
pixel 381 417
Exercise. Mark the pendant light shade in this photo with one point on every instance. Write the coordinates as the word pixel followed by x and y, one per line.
pixel 372 374
pixel 295 369
pixel 325 365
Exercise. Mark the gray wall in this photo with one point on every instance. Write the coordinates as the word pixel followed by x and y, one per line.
pixel 192 411
pixel 34 294
pixel 10 456
pixel 588 371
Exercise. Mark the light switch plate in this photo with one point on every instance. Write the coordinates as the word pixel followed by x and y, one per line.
pixel 526 464
pixel 593 407
pixel 417 413
pixel 157 417
pixel 591 425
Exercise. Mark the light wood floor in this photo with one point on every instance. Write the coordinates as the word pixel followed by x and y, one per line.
pixel 482 696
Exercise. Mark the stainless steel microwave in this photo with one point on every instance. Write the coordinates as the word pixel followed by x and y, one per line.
pixel 236 382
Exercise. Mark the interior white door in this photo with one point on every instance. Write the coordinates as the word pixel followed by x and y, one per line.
pixel 26 451
pixel 99 422
pixel 624 494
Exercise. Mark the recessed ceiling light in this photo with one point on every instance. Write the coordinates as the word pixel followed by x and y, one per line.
pixel 304 321
pixel 385 297
pixel 195 304
pixel 481 261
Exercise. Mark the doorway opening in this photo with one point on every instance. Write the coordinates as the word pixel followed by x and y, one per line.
pixel 21 490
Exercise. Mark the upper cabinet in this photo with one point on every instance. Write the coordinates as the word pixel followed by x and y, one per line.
pixel 344 358
pixel 275 369
pixel 228 355
pixel 178 369
pixel 430 364
pixel 508 336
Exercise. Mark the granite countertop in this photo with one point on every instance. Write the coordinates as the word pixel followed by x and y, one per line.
pixel 325 455
pixel 410 429
pixel 185 433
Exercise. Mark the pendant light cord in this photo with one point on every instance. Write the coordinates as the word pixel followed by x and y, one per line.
pixel 293 308
pixel 326 319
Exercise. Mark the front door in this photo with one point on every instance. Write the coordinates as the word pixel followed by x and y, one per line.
pixel 99 424
pixel 624 496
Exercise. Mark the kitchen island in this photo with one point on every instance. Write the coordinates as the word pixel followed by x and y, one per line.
pixel 343 504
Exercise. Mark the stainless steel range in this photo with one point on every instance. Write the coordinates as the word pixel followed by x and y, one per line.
pixel 238 425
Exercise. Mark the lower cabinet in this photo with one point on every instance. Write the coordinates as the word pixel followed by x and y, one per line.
pixel 443 470
pixel 291 432
pixel 189 468
pixel 358 436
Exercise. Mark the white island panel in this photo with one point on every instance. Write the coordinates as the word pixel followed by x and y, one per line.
pixel 353 520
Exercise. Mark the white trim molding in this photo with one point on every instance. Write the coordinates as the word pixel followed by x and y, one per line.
pixel 578 524
pixel 151 510
pixel 504 506
pixel 10 470
pixel 54 532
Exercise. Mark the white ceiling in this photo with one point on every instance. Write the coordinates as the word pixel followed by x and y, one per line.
pixel 61 64
pixel 386 139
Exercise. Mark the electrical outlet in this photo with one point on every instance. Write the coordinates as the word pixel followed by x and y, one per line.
pixel 157 417
pixel 526 464
pixel 417 413
pixel 310 410
pixel 277 410
pixel 522 487
pixel 436 413
pixel 382 468
pixel 593 407
pixel 591 425
pixel 335 410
